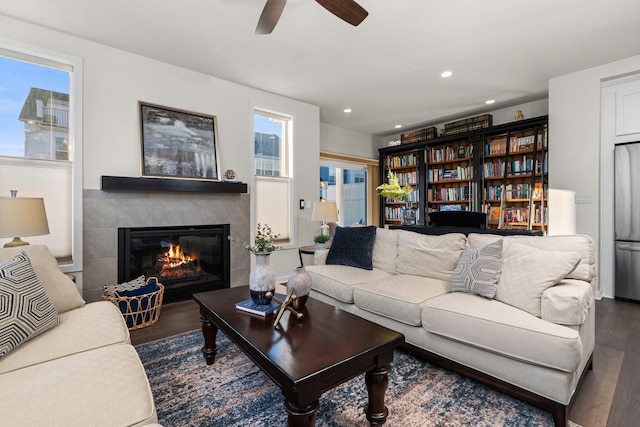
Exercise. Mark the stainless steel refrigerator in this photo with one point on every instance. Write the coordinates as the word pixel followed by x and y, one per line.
pixel 627 221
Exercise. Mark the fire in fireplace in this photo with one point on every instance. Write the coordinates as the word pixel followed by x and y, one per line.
pixel 185 259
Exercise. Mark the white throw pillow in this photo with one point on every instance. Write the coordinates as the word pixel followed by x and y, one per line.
pixel 528 271
pixel 385 249
pixel 60 289
pixel 429 256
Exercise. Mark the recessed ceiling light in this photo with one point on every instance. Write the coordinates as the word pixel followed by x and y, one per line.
pixel 490 101
pixel 398 126
pixel 446 74
pixel 347 110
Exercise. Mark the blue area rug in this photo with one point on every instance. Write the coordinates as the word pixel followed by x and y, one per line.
pixel 234 392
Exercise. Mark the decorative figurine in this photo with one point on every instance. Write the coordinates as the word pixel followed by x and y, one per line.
pixel 285 305
pixel 518 116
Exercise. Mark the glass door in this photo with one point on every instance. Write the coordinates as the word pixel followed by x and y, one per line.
pixel 345 184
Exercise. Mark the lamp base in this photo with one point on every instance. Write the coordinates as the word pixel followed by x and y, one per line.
pixel 15 242
pixel 324 229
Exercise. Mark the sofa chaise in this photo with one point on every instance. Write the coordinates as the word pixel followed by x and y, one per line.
pixel 513 312
pixel 64 363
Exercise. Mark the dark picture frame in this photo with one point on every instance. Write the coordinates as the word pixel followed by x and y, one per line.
pixel 178 144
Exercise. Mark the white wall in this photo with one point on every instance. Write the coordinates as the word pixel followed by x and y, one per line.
pixel 575 156
pixel 336 139
pixel 114 82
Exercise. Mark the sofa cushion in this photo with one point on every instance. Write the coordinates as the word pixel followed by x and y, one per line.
pixel 478 270
pixel 429 256
pixel 338 281
pixel 103 387
pixel 91 326
pixel 500 328
pixel 61 290
pixel 567 303
pixel 399 297
pixel 25 309
pixel 352 246
pixel 528 271
pixel 385 249
pixel 579 244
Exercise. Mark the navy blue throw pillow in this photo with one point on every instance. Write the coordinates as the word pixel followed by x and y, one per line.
pixel 353 246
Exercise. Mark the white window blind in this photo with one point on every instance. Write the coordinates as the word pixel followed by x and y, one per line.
pixel 273 201
pixel 51 180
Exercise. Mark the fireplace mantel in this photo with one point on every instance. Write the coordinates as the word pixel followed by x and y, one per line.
pixel 123 183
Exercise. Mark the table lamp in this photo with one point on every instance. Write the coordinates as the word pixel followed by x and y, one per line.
pixel 22 216
pixel 325 212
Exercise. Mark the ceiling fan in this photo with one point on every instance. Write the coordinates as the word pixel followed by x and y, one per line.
pixel 347 10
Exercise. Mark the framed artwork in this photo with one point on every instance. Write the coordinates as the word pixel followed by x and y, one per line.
pixel 178 144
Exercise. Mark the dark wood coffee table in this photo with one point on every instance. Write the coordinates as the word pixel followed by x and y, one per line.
pixel 304 358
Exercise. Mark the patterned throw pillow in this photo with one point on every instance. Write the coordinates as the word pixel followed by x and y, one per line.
pixel 478 270
pixel 25 309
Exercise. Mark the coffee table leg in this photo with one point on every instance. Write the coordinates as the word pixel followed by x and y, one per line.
pixel 377 381
pixel 209 331
pixel 305 417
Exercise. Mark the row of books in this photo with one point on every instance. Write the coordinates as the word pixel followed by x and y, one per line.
pixel 513 191
pixel 407 177
pixel 517 144
pixel 418 135
pixel 413 197
pixel 446 194
pixel 410 159
pixel 513 214
pixel 441 154
pixel 393 213
pixel 494 168
pixel 460 172
pixel 466 125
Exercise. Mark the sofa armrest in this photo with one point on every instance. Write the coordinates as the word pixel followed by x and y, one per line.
pixel 320 256
pixel 567 303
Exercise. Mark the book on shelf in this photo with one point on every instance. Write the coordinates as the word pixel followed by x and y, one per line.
pixel 455 207
pixel 494 215
pixel 249 306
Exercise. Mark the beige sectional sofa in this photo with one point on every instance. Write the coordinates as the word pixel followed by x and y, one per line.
pixel 81 372
pixel 533 339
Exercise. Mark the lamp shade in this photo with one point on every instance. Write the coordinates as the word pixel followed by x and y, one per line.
pixel 325 211
pixel 22 216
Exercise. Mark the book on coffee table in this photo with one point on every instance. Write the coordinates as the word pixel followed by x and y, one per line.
pixel 261 310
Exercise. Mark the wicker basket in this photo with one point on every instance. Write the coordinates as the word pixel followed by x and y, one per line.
pixel 141 310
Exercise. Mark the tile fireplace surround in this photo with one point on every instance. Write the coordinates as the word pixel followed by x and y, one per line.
pixel 105 211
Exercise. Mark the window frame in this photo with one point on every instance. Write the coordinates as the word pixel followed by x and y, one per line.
pixel 286 170
pixel 74 65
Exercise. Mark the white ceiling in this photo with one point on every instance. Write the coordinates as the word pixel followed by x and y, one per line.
pixel 387 69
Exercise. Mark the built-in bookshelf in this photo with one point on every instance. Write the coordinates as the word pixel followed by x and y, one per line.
pixel 450 175
pixel 499 170
pixel 514 177
pixel 406 164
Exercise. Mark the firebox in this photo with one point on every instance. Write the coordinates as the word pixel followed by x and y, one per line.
pixel 185 259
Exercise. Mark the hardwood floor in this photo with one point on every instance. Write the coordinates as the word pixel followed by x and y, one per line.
pixel 608 395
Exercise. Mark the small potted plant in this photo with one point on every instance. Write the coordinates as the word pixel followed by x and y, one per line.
pixel 321 240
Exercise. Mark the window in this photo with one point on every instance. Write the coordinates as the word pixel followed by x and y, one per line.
pixel 272 151
pixel 39 138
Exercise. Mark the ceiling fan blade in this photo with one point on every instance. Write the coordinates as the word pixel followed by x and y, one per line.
pixel 347 10
pixel 270 16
